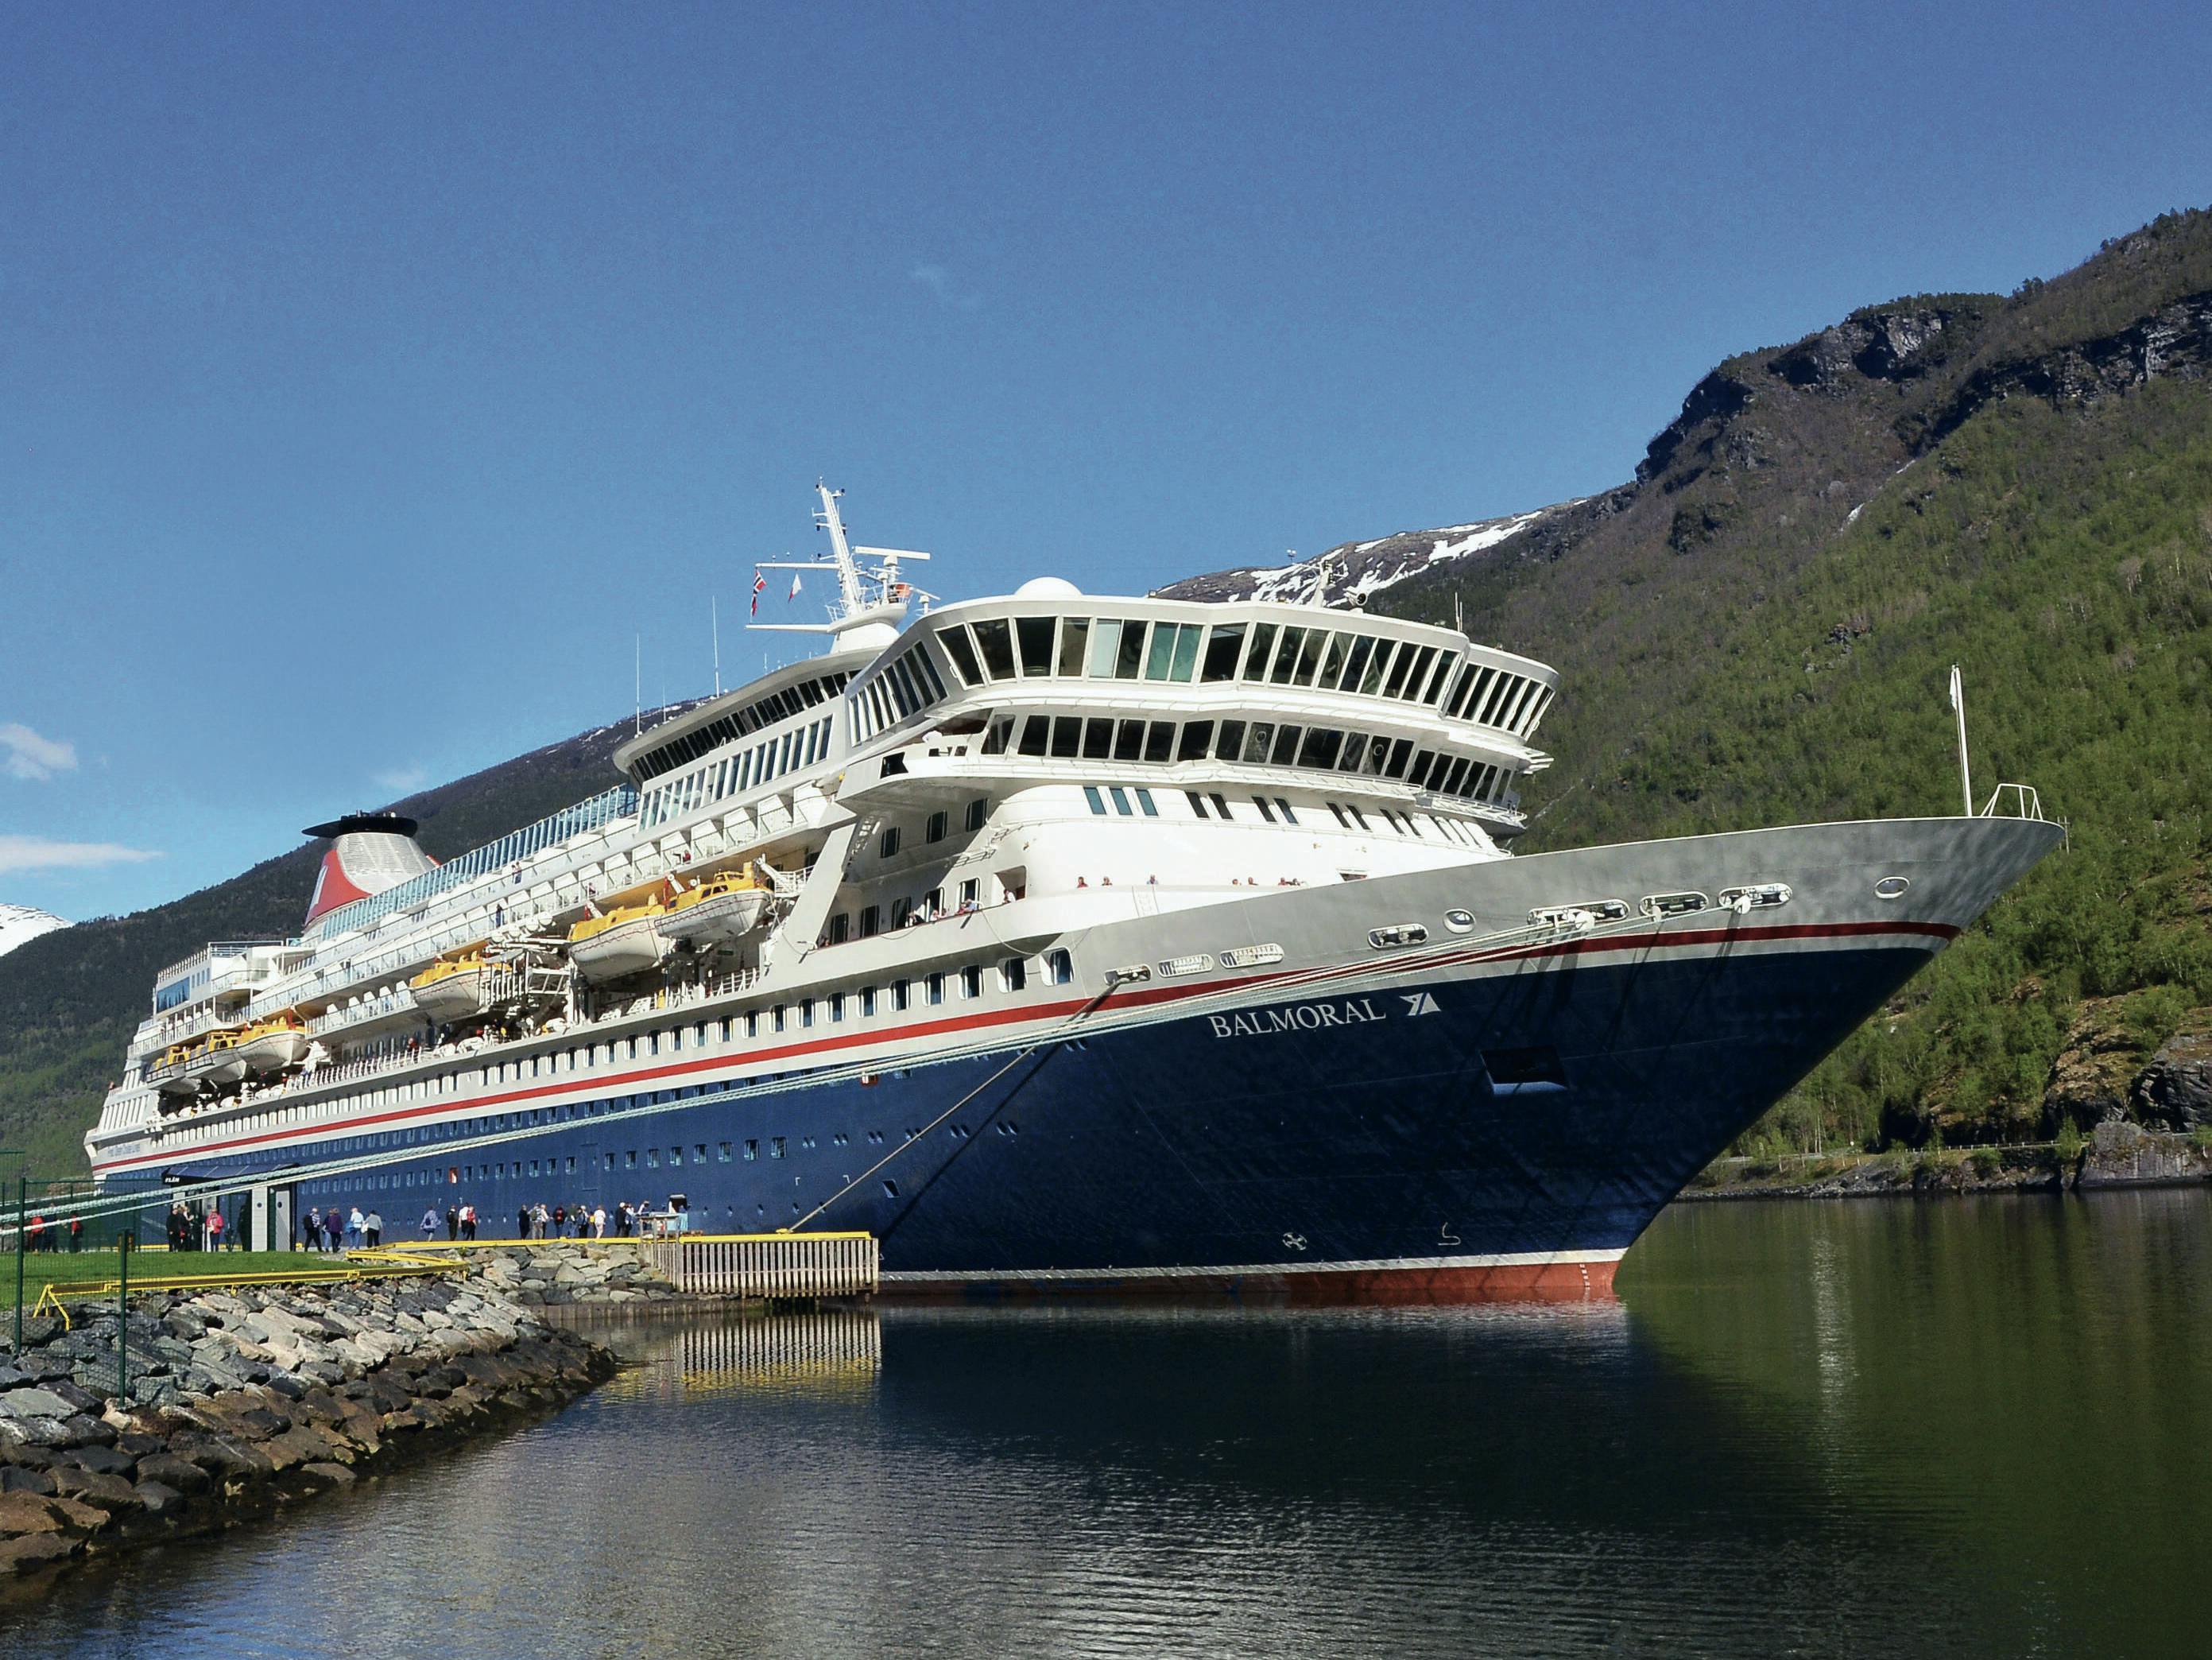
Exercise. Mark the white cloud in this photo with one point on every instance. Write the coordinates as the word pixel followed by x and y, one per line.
pixel 401 781
pixel 939 281
pixel 29 756
pixel 21 853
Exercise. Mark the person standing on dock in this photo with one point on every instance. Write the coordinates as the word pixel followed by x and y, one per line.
pixel 376 1228
pixel 453 1223
pixel 522 1223
pixel 468 1221
pixel 334 1227
pixel 430 1225
pixel 77 1235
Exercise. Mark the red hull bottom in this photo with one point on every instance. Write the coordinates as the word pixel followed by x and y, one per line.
pixel 1514 1282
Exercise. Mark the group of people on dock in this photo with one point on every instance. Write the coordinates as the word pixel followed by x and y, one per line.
pixel 577 1221
pixel 41 1235
pixel 190 1227
pixel 335 1231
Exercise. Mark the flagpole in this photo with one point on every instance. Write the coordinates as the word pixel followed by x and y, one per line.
pixel 715 614
pixel 1965 772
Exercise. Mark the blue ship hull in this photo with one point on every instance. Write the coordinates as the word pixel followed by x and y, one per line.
pixel 1511 1132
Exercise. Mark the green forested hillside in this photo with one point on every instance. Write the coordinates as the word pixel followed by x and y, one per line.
pixel 1785 658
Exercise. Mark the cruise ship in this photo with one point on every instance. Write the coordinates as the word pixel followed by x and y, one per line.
pixel 1063 943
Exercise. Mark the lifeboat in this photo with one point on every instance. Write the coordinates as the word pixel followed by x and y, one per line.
pixel 216 1061
pixel 620 942
pixel 273 1045
pixel 720 911
pixel 457 986
pixel 167 1075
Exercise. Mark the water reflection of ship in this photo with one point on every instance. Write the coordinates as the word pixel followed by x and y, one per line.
pixel 818 1352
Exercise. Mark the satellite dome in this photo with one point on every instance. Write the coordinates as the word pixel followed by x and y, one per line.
pixel 1048 587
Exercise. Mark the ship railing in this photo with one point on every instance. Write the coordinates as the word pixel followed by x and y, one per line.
pixel 510 850
pixel 398 999
pixel 214 949
pixel 2012 801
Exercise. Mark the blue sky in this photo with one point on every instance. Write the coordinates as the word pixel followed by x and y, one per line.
pixel 371 375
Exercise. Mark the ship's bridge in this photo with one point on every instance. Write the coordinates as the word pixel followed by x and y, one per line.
pixel 1056 677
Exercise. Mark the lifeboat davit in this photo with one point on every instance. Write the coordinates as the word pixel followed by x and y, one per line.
pixel 720 911
pixel 272 1045
pixel 621 942
pixel 457 986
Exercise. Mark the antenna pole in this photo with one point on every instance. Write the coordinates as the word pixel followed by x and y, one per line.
pixel 715 614
pixel 637 683
pixel 1965 772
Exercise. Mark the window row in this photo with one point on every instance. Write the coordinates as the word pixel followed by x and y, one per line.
pixel 734 775
pixel 999 649
pixel 909 684
pixel 793 700
pixel 1254 743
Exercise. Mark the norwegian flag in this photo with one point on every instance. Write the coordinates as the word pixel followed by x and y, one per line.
pixel 760 587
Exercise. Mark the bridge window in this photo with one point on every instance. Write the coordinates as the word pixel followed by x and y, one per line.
pixel 1286 748
pixel 1286 656
pixel 1129 742
pixel 996 643
pixel 1034 635
pixel 1098 740
pixel 1263 645
pixel 1332 663
pixel 1066 738
pixel 957 646
pixel 1197 737
pixel 1074 638
pixel 1222 648
pixel 1257 741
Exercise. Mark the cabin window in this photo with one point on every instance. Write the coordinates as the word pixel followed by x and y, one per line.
pixel 836 1008
pixel 996 643
pixel 900 996
pixel 1097 801
pixel 1014 974
pixel 979 812
pixel 1145 804
pixel 840 928
pixel 889 846
pixel 996 739
pixel 1222 648
pixel 867 1002
pixel 901 910
pixel 752 1022
pixel 1266 811
pixel 1220 805
pixel 938 824
pixel 1286 746
pixel 1066 738
pixel 1036 735
pixel 1337 813
pixel 1098 740
pixel 1197 736
pixel 969 890
pixel 1059 968
pixel 871 922
pixel 1160 742
pixel 1074 640
pixel 1197 804
pixel 957 646
pixel 936 988
pixel 752 1151
pixel 776 1017
pixel 971 981
pixel 932 903
pixel 775 1146
pixel 1231 747
pixel 1129 742
pixel 1121 798
pixel 1283 808
pixel 805 1012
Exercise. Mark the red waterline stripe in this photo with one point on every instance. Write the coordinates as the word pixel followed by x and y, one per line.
pixel 616 1084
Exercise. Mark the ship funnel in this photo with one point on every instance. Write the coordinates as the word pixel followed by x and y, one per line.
pixel 368 853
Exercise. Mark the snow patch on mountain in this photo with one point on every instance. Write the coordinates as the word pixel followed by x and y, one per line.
pixel 1347 576
pixel 20 924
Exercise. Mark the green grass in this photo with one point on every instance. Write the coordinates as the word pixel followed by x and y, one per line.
pixel 62 1267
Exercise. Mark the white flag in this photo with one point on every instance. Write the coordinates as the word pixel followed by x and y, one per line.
pixel 1955 694
pixel 794 595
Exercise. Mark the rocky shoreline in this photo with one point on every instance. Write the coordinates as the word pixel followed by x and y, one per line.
pixel 242 1401
pixel 2117 1154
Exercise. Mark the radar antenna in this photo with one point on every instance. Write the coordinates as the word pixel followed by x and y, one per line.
pixel 871 596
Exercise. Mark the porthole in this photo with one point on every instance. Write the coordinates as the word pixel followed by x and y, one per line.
pixel 1892 887
pixel 1458 922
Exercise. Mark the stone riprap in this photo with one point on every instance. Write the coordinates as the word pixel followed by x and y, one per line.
pixel 244 1399
pixel 552 1271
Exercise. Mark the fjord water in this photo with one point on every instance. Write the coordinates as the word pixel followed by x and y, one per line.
pixel 1904 1427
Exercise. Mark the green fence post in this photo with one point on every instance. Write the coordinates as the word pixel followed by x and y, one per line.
pixel 122 1319
pixel 23 1183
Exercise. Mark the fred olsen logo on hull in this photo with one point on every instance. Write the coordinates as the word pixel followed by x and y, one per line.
pixel 1312 1017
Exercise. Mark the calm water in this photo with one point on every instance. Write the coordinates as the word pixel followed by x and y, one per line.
pixel 1906 1428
